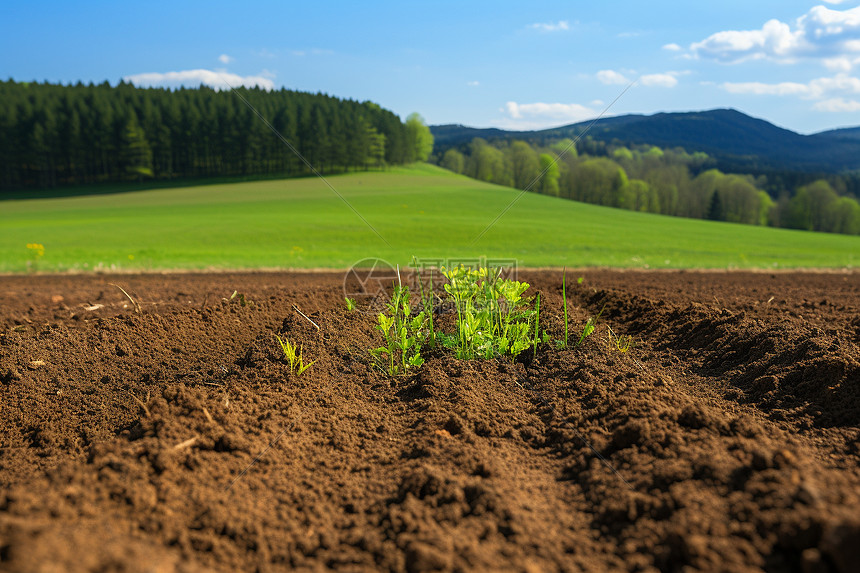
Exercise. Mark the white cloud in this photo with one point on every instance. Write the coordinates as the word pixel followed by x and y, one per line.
pixel 830 92
pixel 840 64
pixel 664 80
pixel 225 59
pixel 834 1
pixel 775 39
pixel 611 77
pixel 543 115
pixel 829 37
pixel 672 47
pixel 659 80
pixel 560 26
pixel 473 84
pixel 759 88
pixel 832 35
pixel 193 78
pixel 837 105
pixel 838 83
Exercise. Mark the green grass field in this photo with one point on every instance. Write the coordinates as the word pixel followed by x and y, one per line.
pixel 420 211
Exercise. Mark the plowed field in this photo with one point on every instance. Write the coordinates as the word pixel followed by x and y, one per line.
pixel 172 436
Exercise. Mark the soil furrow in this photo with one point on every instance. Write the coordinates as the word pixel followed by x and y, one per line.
pixel 176 439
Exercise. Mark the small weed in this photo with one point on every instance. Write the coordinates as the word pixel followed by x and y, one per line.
pixel 405 335
pixel 589 326
pixel 36 252
pixel 537 323
pixel 621 343
pixel 427 303
pixel 564 301
pixel 350 304
pixel 293 354
pixel 579 280
pixel 237 296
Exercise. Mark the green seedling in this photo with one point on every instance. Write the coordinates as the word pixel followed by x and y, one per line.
pixel 493 318
pixel 427 304
pixel 589 326
pixel 537 323
pixel 350 304
pixel 579 280
pixel 294 356
pixel 564 301
pixel 405 335
pixel 237 296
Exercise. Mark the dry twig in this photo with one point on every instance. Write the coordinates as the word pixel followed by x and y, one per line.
pixel 187 443
pixel 141 404
pixel 306 316
pixel 128 296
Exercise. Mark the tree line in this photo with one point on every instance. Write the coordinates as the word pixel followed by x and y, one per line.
pixel 54 135
pixel 653 180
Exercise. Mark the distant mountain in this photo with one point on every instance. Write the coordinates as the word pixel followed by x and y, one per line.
pixel 449 135
pixel 736 140
pixel 845 133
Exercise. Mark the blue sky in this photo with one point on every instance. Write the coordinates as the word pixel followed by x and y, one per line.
pixel 516 65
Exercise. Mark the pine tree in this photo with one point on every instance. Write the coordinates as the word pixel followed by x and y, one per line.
pixel 135 153
pixel 715 210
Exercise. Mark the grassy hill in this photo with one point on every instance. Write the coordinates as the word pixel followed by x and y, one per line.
pixel 421 210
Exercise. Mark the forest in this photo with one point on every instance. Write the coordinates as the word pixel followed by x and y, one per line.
pixel 654 180
pixel 55 135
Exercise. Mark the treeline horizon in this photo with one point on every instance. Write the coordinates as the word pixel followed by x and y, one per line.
pixel 54 135
pixel 649 179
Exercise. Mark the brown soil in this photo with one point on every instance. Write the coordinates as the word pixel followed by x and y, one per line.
pixel 175 438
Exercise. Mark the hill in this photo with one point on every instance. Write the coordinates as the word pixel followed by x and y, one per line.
pixel 420 210
pixel 737 141
pixel 844 133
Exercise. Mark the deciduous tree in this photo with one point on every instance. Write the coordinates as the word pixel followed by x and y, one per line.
pixel 419 140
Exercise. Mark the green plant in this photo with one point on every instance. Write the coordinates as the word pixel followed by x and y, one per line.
pixel 427 304
pixel 294 356
pixel 564 301
pixel 350 304
pixel 589 326
pixel 237 296
pixel 36 251
pixel 537 322
pixel 404 334
pixel 493 318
